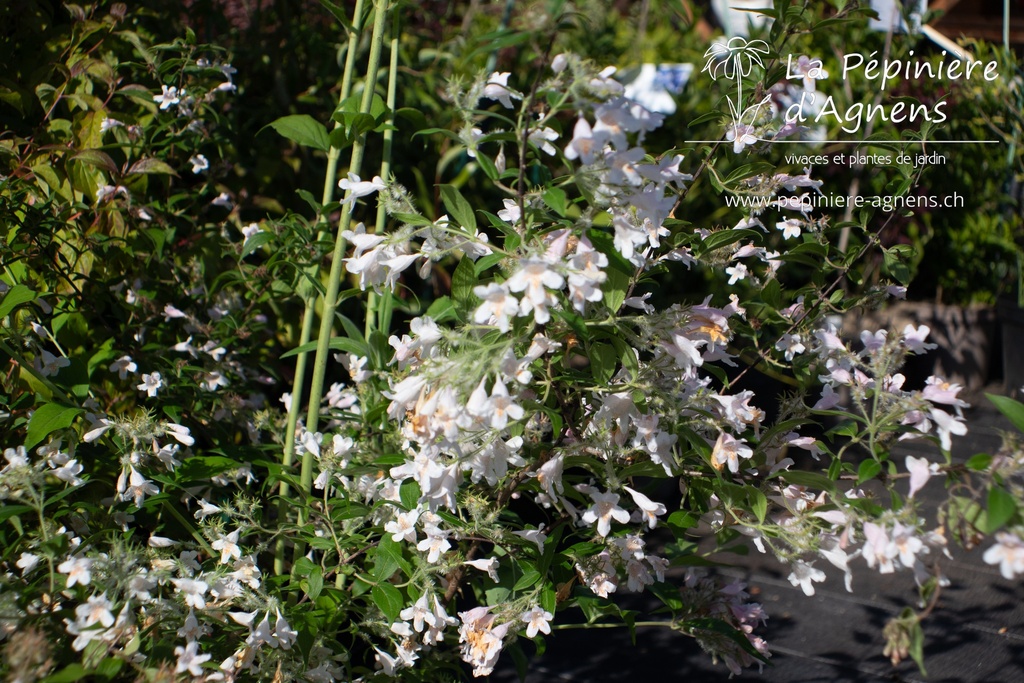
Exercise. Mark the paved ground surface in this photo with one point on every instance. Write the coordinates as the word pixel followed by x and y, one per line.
pixel 976 633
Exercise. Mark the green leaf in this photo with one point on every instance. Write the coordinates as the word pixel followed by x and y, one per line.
pixel 1013 410
pixel 16 295
pixel 603 361
pixel 979 462
pixel 527 580
pixel 458 208
pixel 810 479
pixel 722 238
pixel 256 241
pixel 555 198
pixel 388 599
pixel 302 129
pixel 315 583
pixel 1001 507
pixel 869 469
pixel 96 158
pixel 151 166
pixel 70 673
pixel 463 280
pixel 615 287
pixel 339 13
pixel 388 559
pixel 337 343
pixel 758 502
pixel 47 419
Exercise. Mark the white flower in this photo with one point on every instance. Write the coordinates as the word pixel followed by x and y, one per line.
pixel 193 591
pixel 537 620
pixel 403 526
pixel 122 366
pixel 78 569
pixel 789 227
pixel 1008 553
pixel 228 547
pixel 199 163
pixel 535 536
pixel 497 88
pixel 360 188
pixel 920 471
pixel 727 451
pixel 49 364
pixel 511 213
pixel 482 641
pixel 542 138
pixel 533 276
pixel 603 511
pixel 490 565
pixel 914 339
pixel 138 487
pixel 151 383
pixel 285 634
pixel 189 659
pixel 649 509
pixel 168 98
pixel 804 575
pixel 736 273
pixel 498 305
pixel 27 562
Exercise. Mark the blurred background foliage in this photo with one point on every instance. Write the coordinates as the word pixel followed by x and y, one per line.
pixel 288 54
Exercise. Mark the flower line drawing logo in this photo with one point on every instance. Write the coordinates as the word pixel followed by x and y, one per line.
pixel 736 59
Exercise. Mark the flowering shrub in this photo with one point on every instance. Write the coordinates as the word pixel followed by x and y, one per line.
pixel 548 432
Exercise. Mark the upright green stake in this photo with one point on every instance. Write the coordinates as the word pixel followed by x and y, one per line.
pixel 298 383
pixel 334 279
pixel 377 307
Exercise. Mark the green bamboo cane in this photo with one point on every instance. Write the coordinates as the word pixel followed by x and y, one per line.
pixel 378 309
pixel 330 304
pixel 309 312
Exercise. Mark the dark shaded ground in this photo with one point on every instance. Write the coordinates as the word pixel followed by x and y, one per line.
pixel 975 634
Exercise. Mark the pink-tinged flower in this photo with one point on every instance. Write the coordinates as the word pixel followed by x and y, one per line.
pixel 189 659
pixel 497 88
pixel 537 620
pixel 403 526
pixel 947 425
pixel 482 640
pixel 914 339
pixel 790 228
pixel 729 450
pixel 228 547
pixel 603 511
pixel 497 307
pixel 533 278
pixel 878 548
pixel 96 610
pixel 938 390
pixel 49 364
pixel 648 508
pixel 741 135
pixel 1008 553
pixel 122 366
pixel 584 145
pixel 920 471
pixel 805 575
